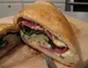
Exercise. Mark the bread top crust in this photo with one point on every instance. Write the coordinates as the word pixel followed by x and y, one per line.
pixel 8 27
pixel 47 15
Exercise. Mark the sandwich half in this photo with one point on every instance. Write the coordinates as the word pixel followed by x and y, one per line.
pixel 43 27
pixel 9 38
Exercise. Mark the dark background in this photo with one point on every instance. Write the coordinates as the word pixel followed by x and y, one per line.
pixel 80 7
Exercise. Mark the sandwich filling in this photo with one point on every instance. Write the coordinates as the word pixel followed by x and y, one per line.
pixel 10 38
pixel 34 34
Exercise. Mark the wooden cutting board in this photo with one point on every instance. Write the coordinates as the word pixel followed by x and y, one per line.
pixel 82 36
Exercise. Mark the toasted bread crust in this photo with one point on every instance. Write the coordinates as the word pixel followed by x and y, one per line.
pixel 8 27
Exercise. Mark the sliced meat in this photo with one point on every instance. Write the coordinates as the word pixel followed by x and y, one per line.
pixel 29 27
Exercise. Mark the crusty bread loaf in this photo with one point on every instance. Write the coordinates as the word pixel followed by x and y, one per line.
pixel 49 17
pixel 52 19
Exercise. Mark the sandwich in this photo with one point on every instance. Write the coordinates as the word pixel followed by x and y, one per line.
pixel 43 27
pixel 9 38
